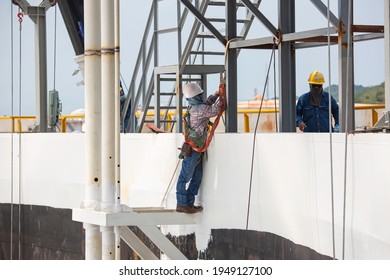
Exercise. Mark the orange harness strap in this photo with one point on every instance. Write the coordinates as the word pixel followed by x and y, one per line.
pixel 222 102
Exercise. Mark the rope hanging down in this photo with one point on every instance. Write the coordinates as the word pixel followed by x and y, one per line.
pixel 253 146
pixel 330 135
pixel 20 19
pixel 12 135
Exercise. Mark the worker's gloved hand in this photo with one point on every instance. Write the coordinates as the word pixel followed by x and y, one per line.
pixel 336 128
pixel 211 99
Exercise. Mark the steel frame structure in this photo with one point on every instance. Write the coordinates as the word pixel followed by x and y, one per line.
pixel 341 32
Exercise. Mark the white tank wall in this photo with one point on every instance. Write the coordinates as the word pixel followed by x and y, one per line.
pixel 291 190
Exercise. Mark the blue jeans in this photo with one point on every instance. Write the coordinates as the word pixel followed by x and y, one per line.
pixel 191 169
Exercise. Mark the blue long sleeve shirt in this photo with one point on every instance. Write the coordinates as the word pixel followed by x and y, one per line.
pixel 316 118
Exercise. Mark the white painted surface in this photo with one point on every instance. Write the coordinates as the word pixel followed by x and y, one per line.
pixel 291 190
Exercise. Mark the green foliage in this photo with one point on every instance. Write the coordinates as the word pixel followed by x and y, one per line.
pixel 367 95
pixel 371 95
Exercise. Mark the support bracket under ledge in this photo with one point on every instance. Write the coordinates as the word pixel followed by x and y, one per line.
pixel 146 219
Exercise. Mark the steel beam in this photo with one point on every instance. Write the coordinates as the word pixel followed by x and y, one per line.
pixel 71 16
pixel 307 35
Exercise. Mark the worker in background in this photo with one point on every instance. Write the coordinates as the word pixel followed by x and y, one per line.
pixel 199 112
pixel 122 100
pixel 312 110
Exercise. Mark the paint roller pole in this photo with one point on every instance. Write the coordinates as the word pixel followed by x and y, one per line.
pixel 109 92
pixel 117 128
pixel 92 78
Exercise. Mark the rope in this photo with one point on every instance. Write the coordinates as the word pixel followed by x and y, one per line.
pixel 20 16
pixel 346 125
pixel 330 133
pixel 253 151
pixel 12 132
pixel 168 190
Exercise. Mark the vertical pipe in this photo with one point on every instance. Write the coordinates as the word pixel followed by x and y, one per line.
pixel 231 68
pixel 117 126
pixel 109 92
pixel 387 53
pixel 92 77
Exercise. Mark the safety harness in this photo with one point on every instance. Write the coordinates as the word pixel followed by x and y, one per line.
pixel 197 141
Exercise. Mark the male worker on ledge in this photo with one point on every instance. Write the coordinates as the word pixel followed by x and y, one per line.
pixel 199 112
pixel 312 110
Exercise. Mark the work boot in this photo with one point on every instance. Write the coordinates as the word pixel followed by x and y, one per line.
pixel 198 208
pixel 186 209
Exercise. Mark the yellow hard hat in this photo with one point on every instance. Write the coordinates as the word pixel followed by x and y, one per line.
pixel 316 78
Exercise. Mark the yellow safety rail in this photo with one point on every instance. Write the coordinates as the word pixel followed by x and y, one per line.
pixel 64 118
pixel 18 119
pixel 245 112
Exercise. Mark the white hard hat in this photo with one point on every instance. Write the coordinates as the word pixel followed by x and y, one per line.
pixel 191 89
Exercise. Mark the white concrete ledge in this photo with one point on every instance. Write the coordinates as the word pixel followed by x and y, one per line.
pixel 144 217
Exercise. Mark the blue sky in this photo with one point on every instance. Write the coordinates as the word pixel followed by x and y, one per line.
pixel 369 57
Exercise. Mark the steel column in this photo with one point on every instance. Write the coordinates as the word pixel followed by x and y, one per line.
pixel 231 68
pixel 346 72
pixel 287 77
pixel 40 69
